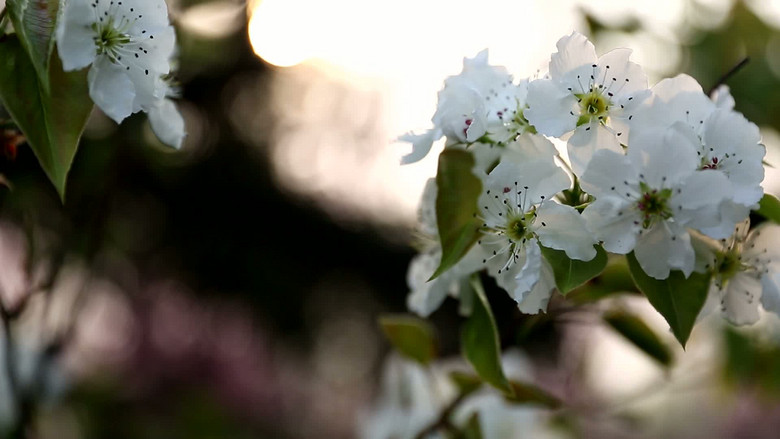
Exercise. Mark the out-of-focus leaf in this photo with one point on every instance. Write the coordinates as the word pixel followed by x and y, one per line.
pixel 51 122
pixel 472 429
pixel 769 208
pixel 34 22
pixel 615 278
pixel 456 203
pixel 480 344
pixel 571 273
pixel 525 393
pixel 638 333
pixel 678 299
pixel 466 382
pixel 413 337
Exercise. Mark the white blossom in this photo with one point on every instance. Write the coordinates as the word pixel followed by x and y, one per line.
pixel 592 96
pixel 745 272
pixel 724 140
pixel 128 44
pixel 166 120
pixel 646 200
pixel 518 215
pixel 481 101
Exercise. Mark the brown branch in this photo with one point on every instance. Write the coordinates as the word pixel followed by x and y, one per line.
pixel 726 76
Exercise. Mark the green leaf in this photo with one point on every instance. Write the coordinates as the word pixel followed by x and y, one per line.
pixel 413 337
pixel 613 280
pixel 525 393
pixel 51 122
pixel 678 299
pixel 769 208
pixel 34 22
pixel 637 332
pixel 480 343
pixel 571 273
pixel 472 429
pixel 456 203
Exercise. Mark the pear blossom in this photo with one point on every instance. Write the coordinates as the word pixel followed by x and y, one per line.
pixel 481 101
pixel 725 141
pixel 646 200
pixel 518 216
pixel 745 272
pixel 592 96
pixel 127 43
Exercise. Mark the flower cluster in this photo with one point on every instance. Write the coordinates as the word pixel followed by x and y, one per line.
pixel 128 46
pixel 665 173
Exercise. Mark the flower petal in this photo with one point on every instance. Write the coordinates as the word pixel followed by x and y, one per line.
pixel 421 145
pixel 167 123
pixel 562 228
pixel 75 37
pixel 740 299
pixel 573 51
pixel 111 89
pixel 551 109
pixel 663 247
pixel 588 139
pixel 612 222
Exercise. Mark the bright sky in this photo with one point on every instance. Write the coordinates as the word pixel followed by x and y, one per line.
pixel 397 54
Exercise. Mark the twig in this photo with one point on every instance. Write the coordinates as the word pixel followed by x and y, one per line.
pixel 726 76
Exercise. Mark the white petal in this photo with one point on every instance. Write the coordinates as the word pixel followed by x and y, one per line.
pixel 628 76
pixel 75 37
pixel 770 295
pixel 426 297
pixel 111 89
pixel 729 214
pixel 608 172
pixel 722 98
pixel 529 147
pixel 562 228
pixel 616 231
pixel 538 298
pixel 664 247
pixel 530 182
pixel 551 109
pixel 588 139
pixel 741 298
pixel 665 161
pixel 701 189
pixel 421 145
pixel 573 51
pixel 167 123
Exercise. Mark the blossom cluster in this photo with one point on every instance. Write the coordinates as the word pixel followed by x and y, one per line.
pixel 128 46
pixel 666 173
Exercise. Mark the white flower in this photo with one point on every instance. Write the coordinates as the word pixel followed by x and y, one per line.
pixel 594 97
pixel 724 140
pixel 481 101
pixel 646 199
pixel 411 399
pixel 518 215
pixel 166 120
pixel 746 272
pixel 127 42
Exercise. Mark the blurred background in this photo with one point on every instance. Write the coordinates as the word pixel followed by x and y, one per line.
pixel 231 289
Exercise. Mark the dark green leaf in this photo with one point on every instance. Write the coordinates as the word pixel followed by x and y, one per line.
pixel 413 337
pixel 51 122
pixel 613 280
pixel 525 393
pixel 34 22
pixel 456 203
pixel 638 333
pixel 479 340
pixel 769 208
pixel 678 299
pixel 571 273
